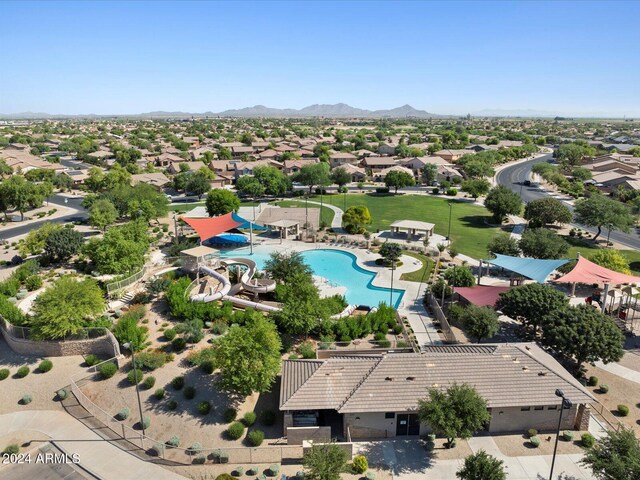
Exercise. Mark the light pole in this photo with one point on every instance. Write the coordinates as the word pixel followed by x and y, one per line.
pixel 391 291
pixel 449 233
pixel 566 403
pixel 130 347
pixel 609 234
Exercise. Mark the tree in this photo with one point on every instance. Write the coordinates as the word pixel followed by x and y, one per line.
pixel 22 195
pixel 481 466
pixel 611 259
pixel 531 302
pixel 399 179
pixel 121 250
pixel 570 154
pixel 581 174
pixel 599 211
pixel 460 276
pixel 5 170
pixel 102 214
pixel 457 412
pixel 504 244
pixel 545 211
pixel 584 334
pixel 274 181
pixel 283 266
pixel 478 169
pixel 340 176
pixel 355 218
pixel 301 310
pixel 63 244
pixel 542 243
pixel 248 357
pixel 476 188
pixel 221 201
pixel 198 184
pixel 95 181
pixel 314 174
pixel 501 202
pixel 429 173
pixel 615 456
pixel 34 242
pixel 391 252
pixel 324 462
pixel 250 186
pixel 66 307
pixel 127 330
pixel 480 322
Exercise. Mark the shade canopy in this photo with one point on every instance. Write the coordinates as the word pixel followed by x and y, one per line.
pixel 481 295
pixel 246 223
pixel 534 268
pixel 210 227
pixel 588 272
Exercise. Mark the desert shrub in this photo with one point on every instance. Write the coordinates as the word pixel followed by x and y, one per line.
pixel 360 464
pixel 33 282
pixel 255 437
pixel 123 414
pixel 268 418
pixel 604 388
pixel 194 448
pixel 62 394
pixel 379 336
pixel 23 372
pixel 300 474
pixel 142 298
pixel 200 459
pixel 152 360
pixel 274 470
pixel 593 381
pixel 230 414
pixel 307 351
pixel 172 405
pixel 224 476
pixel 45 366
pixel 12 449
pixel 178 344
pixel 189 392
pixel 252 471
pixel 146 422
pixel 177 383
pixel 149 382
pixel 370 476
pixel 623 410
pixel 567 436
pixel 135 376
pixel 174 441
pixel 26 399
pixel 4 373
pixel 384 344
pixel 239 471
pixel 219 327
pixel 91 360
pixel 397 329
pixel 159 393
pixel 587 440
pixel 249 418
pixel 532 432
pixel 235 430
pixel 169 334
pixel 157 449
pixel 207 366
pixel 204 407
pixel 107 370
pixel 535 441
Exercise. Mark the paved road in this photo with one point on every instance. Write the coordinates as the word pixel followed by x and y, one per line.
pixel 513 176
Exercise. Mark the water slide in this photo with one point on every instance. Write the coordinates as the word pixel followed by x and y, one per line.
pixel 248 283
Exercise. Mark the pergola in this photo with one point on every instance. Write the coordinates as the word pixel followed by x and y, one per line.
pixel 285 227
pixel 192 258
pixel 412 227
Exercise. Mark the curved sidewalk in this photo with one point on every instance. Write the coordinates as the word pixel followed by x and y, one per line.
pixel 337 218
pixel 97 455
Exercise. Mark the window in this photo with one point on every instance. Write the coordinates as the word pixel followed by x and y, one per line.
pixel 538 408
pixel 525 409
pixel 390 415
pixel 552 407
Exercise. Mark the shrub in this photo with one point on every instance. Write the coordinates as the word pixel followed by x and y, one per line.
pixel 174 441
pixel 593 381
pixel 193 449
pixel 360 464
pixel 587 440
pixel 177 383
pixel 532 432
pixel 152 360
pixel 535 441
pixel 235 430
pixel 384 344
pixel 62 394
pixel 255 437
pixel 4 373
pixel 159 394
pixel 249 418
pixel 12 449
pixel 230 414
pixel 123 414
pixel 23 372
pixel 157 449
pixel 397 329
pixel 623 410
pixel 300 474
pixel 274 470
pixel 370 476
pixel 268 418
pixel 135 376
pixel 170 334
pixel 26 399
pixel 239 471
pixel 207 366
pixel 149 382
pixel 189 392
pixel 224 476
pixel 33 282
pixel 107 370
pixel 172 405
pixel 178 344
pixel 604 388
pixel 307 351
pixel 219 327
pixel 146 422
pixel 204 407
pixel 567 436
pixel 91 360
pixel 379 336
pixel 200 459
pixel 253 471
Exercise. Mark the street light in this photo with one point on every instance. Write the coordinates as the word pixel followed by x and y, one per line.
pixel 566 403
pixel 130 347
pixel 609 233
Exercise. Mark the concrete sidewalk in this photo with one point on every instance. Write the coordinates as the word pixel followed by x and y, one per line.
pixel 620 371
pixel 98 456
pixel 336 224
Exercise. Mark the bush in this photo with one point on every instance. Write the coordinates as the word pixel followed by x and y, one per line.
pixel 239 471
pixel 532 432
pixel 587 440
pixel 174 441
pixel 224 476
pixel 12 449
pixel 4 373
pixel 360 464
pixel 604 388
pixel 274 470
pixel 146 422
pixel 207 366
pixel 178 344
pixel 300 474
pixel 230 414
pixel 177 383
pixel 107 370
pixel 159 394
pixel 593 381
pixel 219 327
pixel 123 414
pixel 235 430
pixel 200 459
pixel 268 418
pixel 307 351
pixel 195 448
pixel 204 407
pixel 33 282
pixel 384 344
pixel 26 399
pixel 623 410
pixel 249 418
pixel 91 360
pixel 152 360
pixel 135 376
pixel 149 382
pixel 379 336
pixel 169 334
pixel 172 405
pixel 62 394
pixel 567 436
pixel 23 372
pixel 157 449
pixel 189 392
pixel 535 441
pixel 452 192
pixel 382 189
pixel 255 438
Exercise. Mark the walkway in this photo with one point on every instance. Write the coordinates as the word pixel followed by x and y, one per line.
pixel 620 371
pixel 98 456
pixel 336 224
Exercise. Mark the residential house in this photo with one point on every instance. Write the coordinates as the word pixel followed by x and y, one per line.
pixel 608 181
pixel 379 175
pixel 241 150
pixel 165 159
pixel 246 168
pixel 387 148
pixel 447 173
pixel 194 142
pixel 176 167
pixel 338 159
pixel 453 155
pixel 292 167
pixel 77 177
pixel 157 180
pixel 22 161
pixel 269 154
pixel 376 164
pixel 416 164
pixel 358 174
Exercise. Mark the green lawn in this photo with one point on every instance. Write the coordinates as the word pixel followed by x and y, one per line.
pixel 326 215
pixel 469 232
pixel 586 250
pixel 421 275
pixel 185 207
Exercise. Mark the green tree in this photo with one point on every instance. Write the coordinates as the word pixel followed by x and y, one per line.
pixel 480 322
pixel 35 241
pixel 476 187
pixel 460 276
pixel 324 462
pixel 282 266
pixel 63 244
pixel 340 176
pixel 583 334
pixel 599 211
pixel 198 184
pixel 250 186
pixel 274 181
pixel 221 201
pixel 391 253
pixel 501 202
pixel 314 174
pixel 127 330
pixel 545 211
pixel 531 302
pixel 503 244
pixel 5 170
pixel 542 243
pixel 581 174
pixel 457 412
pixel 478 169
pixel 121 250
pixel 615 456
pixel 429 173
pixel 66 307
pixel 248 357
pixel 570 154
pixel 95 181
pixel 481 466
pixel 398 179
pixel 102 214
pixel 611 259
pixel 356 217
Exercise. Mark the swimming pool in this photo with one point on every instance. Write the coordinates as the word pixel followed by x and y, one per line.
pixel 228 239
pixel 338 267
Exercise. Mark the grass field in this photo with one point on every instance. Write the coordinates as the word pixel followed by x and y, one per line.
pixel 469 232
pixel 421 275
pixel 326 214
pixel 586 250
pixel 185 207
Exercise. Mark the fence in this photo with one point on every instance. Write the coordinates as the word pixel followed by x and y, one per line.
pixel 114 287
pixel 607 417
pixel 445 328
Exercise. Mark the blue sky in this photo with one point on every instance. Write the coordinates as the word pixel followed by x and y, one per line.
pixel 453 57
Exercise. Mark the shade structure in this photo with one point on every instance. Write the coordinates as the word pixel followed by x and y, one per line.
pixel 481 295
pixel 534 268
pixel 246 223
pixel 210 227
pixel 588 272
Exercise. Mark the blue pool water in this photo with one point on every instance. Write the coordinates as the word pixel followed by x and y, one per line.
pixel 339 267
pixel 228 239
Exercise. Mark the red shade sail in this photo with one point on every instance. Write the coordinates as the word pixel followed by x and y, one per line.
pixel 481 295
pixel 586 271
pixel 210 227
